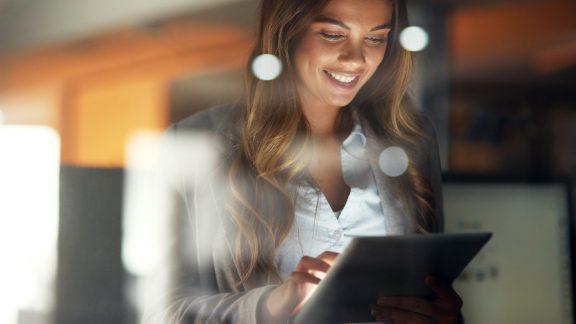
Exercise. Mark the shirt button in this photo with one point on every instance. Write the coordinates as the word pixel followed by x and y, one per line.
pixel 337 235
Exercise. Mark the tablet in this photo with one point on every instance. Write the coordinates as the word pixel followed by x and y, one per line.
pixel 387 265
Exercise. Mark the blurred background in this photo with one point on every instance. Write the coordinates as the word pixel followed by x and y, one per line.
pixel 87 87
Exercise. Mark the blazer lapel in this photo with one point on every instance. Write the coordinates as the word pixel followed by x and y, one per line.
pixel 396 219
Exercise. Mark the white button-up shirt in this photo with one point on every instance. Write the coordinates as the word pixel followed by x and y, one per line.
pixel 317 228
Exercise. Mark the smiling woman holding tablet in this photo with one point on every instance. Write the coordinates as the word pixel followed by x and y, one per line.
pixel 332 148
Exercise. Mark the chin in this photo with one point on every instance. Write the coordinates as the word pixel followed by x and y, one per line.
pixel 341 102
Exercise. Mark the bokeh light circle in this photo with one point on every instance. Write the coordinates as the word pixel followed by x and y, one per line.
pixel 414 38
pixel 393 161
pixel 266 67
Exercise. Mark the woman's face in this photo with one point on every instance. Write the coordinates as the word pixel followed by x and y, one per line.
pixel 341 50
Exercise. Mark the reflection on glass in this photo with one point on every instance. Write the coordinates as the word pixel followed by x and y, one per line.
pixel 151 227
pixel 29 167
pixel 393 161
pixel 414 38
pixel 266 67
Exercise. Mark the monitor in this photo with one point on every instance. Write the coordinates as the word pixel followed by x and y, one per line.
pixel 523 275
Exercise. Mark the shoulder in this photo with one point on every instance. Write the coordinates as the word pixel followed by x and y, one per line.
pixel 428 141
pixel 424 136
pixel 217 119
pixel 199 144
pixel 428 128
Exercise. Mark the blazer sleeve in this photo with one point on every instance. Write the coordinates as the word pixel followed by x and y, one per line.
pixel 434 171
pixel 435 174
pixel 203 277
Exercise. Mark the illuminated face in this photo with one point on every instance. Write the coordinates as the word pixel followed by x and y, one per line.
pixel 341 50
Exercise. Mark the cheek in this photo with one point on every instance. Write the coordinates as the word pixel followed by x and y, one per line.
pixel 302 58
pixel 375 59
pixel 312 54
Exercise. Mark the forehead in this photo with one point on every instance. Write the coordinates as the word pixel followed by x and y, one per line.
pixel 370 12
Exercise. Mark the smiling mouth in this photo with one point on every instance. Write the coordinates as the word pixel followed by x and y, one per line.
pixel 341 80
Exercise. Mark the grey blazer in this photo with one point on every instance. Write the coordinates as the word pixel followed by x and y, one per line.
pixel 206 276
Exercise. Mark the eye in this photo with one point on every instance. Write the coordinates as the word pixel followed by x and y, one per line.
pixel 333 37
pixel 376 40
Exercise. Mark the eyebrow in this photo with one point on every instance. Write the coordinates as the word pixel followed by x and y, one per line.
pixel 328 20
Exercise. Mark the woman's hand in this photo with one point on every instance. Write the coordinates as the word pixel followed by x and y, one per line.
pixel 289 297
pixel 443 310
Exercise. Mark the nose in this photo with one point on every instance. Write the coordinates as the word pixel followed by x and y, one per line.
pixel 352 54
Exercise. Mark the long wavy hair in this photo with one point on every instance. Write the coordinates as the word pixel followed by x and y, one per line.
pixel 272 152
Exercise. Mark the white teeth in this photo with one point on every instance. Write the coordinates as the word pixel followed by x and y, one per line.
pixel 342 78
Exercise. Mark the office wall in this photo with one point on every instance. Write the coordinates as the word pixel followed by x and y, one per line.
pixel 24 24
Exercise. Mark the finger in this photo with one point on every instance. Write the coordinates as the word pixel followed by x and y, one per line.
pixel 442 288
pixel 304 284
pixel 304 278
pixel 328 257
pixel 446 294
pixel 413 304
pixel 309 264
pixel 394 315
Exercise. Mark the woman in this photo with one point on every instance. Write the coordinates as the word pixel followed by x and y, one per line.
pixel 302 167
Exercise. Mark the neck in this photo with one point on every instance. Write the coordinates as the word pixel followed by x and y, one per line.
pixel 326 122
